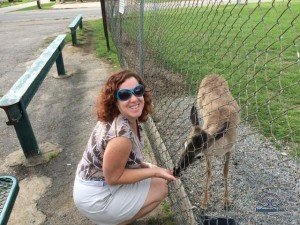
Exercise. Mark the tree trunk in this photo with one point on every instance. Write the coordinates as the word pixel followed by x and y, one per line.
pixel 38 2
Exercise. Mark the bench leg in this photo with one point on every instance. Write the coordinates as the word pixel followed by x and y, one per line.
pixel 60 65
pixel 74 38
pixel 23 129
pixel 73 35
pixel 80 24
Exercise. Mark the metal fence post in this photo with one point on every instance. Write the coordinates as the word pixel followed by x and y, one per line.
pixel 142 38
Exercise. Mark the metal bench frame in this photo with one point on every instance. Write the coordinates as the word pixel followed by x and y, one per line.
pixel 77 22
pixel 15 101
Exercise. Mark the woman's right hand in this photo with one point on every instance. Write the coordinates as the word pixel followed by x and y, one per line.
pixel 164 173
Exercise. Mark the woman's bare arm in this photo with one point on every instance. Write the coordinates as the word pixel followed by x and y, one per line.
pixel 114 161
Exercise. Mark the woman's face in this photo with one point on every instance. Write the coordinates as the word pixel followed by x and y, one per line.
pixel 133 107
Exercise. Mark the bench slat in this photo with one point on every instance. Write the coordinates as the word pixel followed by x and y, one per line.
pixel 75 22
pixel 73 26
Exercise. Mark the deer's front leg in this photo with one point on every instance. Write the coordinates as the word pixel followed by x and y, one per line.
pixel 225 172
pixel 207 182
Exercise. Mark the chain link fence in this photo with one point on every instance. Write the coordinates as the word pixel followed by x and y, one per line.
pixel 255 46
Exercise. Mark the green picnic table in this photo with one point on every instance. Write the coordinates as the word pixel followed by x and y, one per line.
pixel 9 188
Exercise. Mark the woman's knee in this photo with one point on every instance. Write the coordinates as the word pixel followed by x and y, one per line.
pixel 164 188
pixel 160 186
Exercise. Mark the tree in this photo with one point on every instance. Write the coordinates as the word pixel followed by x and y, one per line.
pixel 38 2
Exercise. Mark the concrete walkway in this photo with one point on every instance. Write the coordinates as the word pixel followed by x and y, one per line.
pixel 72 5
pixel 66 5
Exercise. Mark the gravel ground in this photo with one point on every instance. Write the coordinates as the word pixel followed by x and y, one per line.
pixel 257 168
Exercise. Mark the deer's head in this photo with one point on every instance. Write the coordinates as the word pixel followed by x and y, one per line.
pixel 198 141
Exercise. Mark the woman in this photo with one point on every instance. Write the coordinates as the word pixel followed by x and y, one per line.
pixel 113 185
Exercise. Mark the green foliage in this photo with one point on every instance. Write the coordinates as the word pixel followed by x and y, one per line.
pixel 166 217
pixel 68 38
pixel 52 155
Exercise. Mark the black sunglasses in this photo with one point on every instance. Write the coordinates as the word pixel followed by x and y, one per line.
pixel 125 94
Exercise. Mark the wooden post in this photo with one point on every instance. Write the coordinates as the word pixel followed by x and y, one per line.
pixel 104 23
pixel 38 3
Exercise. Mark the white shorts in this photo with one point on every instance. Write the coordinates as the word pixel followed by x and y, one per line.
pixel 109 205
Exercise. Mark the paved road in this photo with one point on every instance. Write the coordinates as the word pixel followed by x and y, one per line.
pixel 61 11
pixel 22 40
pixel 23 33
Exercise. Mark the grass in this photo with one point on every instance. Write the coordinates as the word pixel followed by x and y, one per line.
pixel 253 46
pixel 100 43
pixel 7 4
pixel 93 29
pixel 52 155
pixel 44 6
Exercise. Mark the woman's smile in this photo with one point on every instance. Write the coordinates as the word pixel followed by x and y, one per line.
pixel 133 107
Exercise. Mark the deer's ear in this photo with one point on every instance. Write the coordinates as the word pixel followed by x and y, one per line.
pixel 194 116
pixel 222 131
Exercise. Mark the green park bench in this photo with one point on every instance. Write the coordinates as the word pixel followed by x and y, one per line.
pixel 73 26
pixel 16 100
pixel 9 188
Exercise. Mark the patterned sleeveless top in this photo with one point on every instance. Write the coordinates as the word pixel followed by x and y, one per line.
pixel 90 166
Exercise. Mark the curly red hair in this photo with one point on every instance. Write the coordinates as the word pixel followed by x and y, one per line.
pixel 106 106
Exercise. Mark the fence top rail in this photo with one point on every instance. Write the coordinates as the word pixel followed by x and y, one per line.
pixel 28 83
pixel 76 21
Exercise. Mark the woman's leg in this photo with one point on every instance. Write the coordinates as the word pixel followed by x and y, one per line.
pixel 157 193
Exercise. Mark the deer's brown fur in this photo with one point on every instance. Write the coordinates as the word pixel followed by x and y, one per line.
pixel 218 133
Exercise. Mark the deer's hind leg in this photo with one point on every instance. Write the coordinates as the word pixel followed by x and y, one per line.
pixel 207 182
pixel 225 172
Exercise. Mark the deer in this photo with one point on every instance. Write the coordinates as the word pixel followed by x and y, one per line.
pixel 217 134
